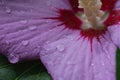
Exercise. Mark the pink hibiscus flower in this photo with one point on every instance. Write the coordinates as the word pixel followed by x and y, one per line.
pixel 74 40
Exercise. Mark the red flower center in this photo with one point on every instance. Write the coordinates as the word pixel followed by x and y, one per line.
pixel 71 21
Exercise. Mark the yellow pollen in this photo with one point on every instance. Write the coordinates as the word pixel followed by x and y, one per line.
pixel 92 12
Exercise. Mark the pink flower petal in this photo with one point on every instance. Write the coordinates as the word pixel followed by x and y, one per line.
pixel 117 5
pixel 23 30
pixel 70 58
pixel 114 33
pixel 30 9
pixel 64 50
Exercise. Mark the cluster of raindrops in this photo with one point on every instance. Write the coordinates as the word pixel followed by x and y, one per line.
pixel 51 49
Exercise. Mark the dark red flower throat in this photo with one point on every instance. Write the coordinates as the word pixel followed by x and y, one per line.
pixel 71 21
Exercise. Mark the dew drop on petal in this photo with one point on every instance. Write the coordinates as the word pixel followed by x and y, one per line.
pixel 13 58
pixel 92 64
pixel 47 50
pixel 8 10
pixel 44 52
pixel 33 28
pixel 60 48
pixel 25 43
pixel 23 21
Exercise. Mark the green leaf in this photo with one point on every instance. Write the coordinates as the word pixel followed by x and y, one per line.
pixel 31 70
pixel 44 76
pixel 118 65
pixel 7 74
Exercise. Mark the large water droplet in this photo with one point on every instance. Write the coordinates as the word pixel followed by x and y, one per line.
pixel 25 43
pixel 13 58
pixel 60 48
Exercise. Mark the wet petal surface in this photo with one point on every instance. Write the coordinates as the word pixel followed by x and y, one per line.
pixel 70 58
pixel 22 28
pixel 36 29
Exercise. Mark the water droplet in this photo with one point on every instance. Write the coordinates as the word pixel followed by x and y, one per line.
pixel 46 51
pixel 92 64
pixel 8 10
pixel 25 43
pixel 60 48
pixel 42 53
pixel 13 58
pixel 33 28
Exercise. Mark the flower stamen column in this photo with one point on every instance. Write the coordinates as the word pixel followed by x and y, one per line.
pixel 92 13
